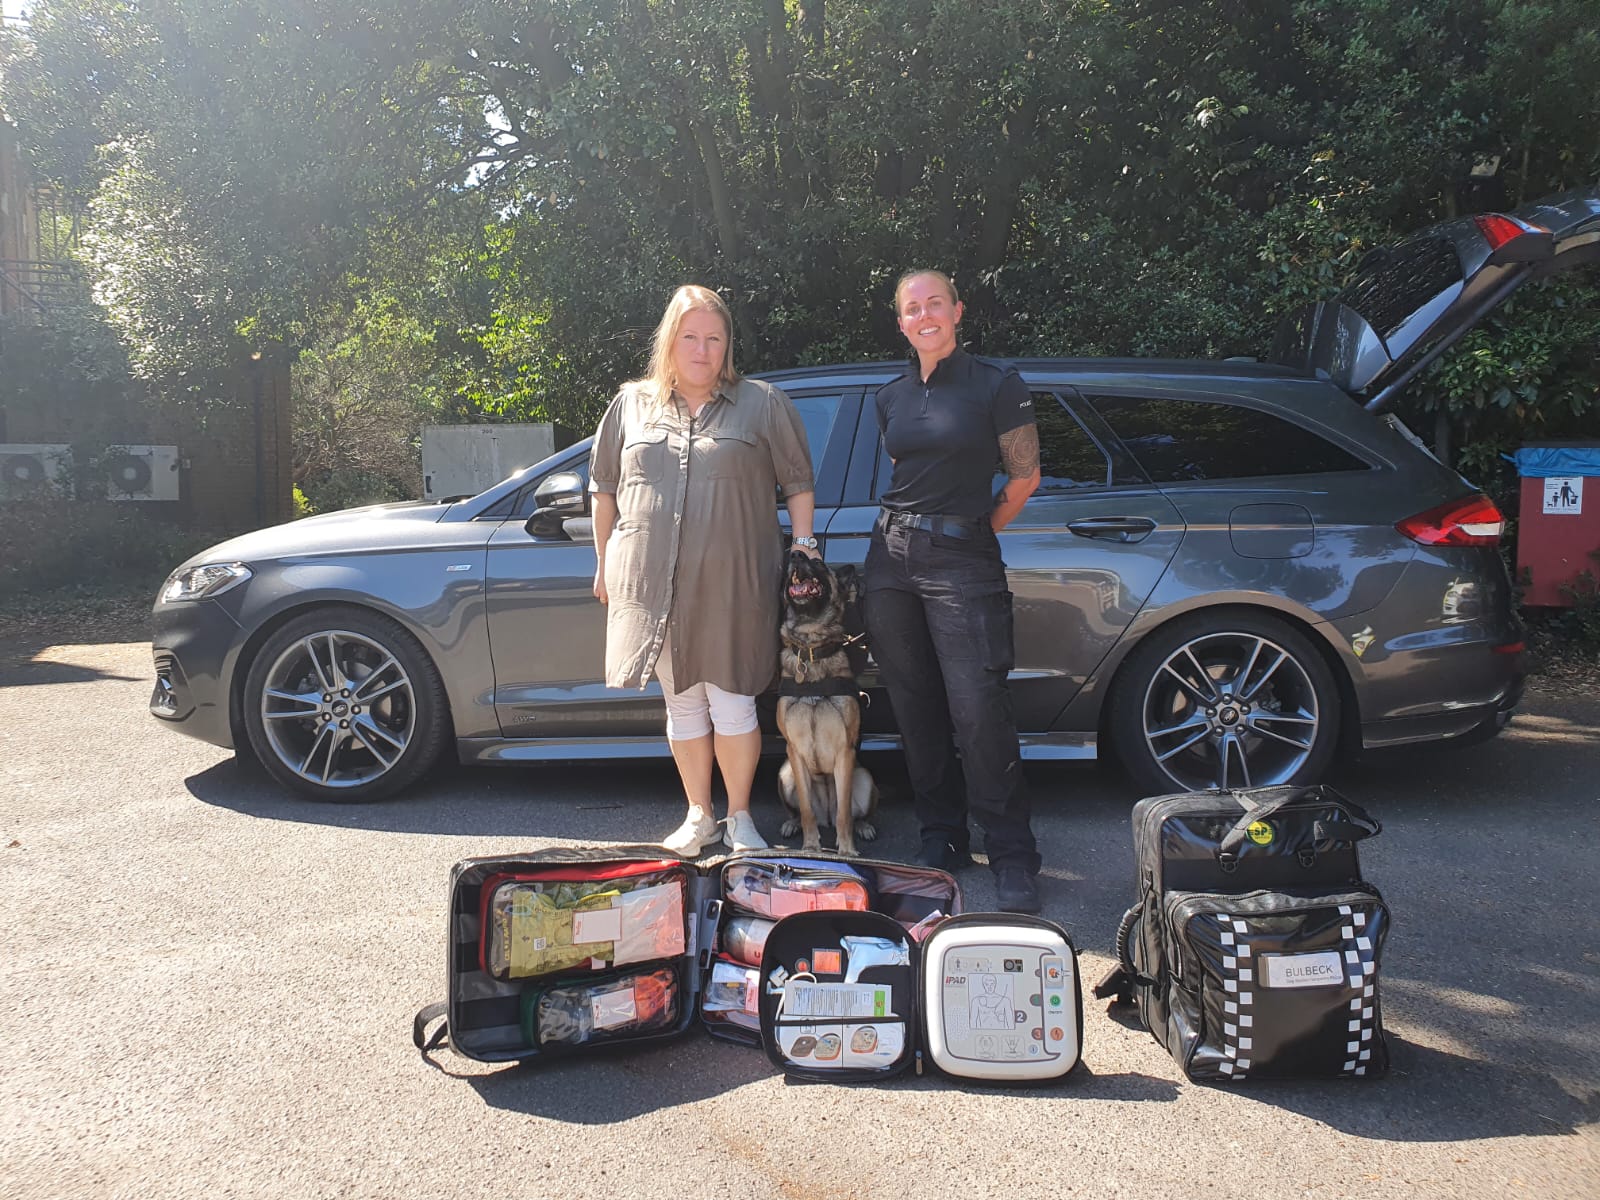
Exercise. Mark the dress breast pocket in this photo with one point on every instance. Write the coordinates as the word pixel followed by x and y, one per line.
pixel 645 456
pixel 729 455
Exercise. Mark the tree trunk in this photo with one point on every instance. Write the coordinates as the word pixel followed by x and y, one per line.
pixel 943 230
pixel 886 174
pixel 813 24
pixel 772 75
pixel 1000 196
pixel 705 139
pixel 1442 449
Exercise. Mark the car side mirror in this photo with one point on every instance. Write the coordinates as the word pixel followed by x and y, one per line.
pixel 558 499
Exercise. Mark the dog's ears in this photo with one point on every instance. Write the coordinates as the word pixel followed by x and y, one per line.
pixel 849 580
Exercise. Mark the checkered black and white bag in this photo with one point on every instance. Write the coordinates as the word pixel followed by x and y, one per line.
pixel 1254 949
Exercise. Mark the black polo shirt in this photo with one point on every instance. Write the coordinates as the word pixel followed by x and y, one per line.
pixel 944 434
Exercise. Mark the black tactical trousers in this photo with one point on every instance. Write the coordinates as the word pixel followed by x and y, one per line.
pixel 939 623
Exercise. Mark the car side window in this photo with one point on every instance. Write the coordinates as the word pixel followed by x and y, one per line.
pixel 1068 456
pixel 1175 440
pixel 819 414
pixel 522 503
pixel 1069 459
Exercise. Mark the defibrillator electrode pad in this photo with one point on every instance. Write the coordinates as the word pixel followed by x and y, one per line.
pixel 1001 1003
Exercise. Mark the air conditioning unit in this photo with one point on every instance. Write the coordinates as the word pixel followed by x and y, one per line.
pixel 140 472
pixel 34 469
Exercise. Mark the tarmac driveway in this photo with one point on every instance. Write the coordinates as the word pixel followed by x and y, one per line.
pixel 209 988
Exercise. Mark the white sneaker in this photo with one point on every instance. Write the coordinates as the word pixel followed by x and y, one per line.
pixel 698 828
pixel 741 833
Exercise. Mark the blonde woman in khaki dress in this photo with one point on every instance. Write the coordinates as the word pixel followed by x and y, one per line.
pixel 685 469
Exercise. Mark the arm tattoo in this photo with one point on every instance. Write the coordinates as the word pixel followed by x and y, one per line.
pixel 1019 451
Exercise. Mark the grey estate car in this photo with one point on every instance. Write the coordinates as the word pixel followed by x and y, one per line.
pixel 1231 571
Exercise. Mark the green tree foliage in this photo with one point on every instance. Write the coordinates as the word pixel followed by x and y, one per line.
pixel 488 201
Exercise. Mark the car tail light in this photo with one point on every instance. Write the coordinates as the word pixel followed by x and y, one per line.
pixel 1497 230
pixel 1470 521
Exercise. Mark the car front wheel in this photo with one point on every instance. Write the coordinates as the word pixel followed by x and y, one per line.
pixel 343 704
pixel 1229 700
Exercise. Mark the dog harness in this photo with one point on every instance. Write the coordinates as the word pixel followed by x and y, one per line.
pixel 841 686
pixel 820 687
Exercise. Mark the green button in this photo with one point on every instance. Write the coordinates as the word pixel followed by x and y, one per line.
pixel 1055 1001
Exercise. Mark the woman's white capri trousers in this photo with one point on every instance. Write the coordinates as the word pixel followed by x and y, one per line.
pixel 698 710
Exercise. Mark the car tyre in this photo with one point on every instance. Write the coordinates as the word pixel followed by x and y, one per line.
pixel 1228 699
pixel 344 704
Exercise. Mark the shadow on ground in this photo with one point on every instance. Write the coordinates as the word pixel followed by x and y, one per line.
pixel 30 661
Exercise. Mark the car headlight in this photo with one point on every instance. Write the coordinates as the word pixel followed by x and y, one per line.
pixel 199 583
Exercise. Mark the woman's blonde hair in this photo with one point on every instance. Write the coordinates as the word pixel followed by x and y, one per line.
pixel 659 379
pixel 918 273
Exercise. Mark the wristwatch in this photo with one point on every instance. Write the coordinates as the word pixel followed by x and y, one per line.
pixel 809 543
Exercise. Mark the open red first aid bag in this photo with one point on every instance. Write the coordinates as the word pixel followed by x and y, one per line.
pixel 842 968
pixel 568 951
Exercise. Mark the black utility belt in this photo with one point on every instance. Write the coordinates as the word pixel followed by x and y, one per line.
pixel 955 527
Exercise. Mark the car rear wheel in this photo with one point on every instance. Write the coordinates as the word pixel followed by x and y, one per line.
pixel 343 704
pixel 1231 700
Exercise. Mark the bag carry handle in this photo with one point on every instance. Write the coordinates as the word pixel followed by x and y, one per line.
pixel 419 1029
pixel 1359 825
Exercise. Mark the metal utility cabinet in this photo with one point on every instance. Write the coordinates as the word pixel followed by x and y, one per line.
pixel 463 460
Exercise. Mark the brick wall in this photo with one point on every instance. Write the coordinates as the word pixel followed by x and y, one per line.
pixel 235 453
pixel 239 466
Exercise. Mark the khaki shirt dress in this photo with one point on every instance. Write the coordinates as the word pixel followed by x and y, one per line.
pixel 697 550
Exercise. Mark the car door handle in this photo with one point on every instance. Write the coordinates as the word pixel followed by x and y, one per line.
pixel 1113 529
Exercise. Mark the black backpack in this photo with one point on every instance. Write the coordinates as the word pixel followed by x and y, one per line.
pixel 1253 948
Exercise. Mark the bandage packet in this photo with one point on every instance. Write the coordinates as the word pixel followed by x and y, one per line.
pixel 732 988
pixel 780 891
pixel 536 927
pixel 577 1014
pixel 868 952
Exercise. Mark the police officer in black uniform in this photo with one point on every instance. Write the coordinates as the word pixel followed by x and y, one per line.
pixel 937 606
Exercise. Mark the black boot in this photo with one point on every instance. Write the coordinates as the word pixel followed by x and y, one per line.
pixel 941 853
pixel 1015 889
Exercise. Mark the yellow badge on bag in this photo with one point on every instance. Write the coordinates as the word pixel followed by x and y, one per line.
pixel 1260 833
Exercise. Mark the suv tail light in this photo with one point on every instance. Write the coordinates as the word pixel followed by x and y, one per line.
pixel 1470 521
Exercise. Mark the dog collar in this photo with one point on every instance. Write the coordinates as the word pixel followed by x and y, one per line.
pixel 810 652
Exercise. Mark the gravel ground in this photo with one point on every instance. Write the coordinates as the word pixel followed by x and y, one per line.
pixel 211 986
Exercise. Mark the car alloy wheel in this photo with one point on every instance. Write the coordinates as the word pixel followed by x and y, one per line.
pixel 344 705
pixel 1226 702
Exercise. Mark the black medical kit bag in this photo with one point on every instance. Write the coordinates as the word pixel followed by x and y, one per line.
pixel 564 953
pixel 1252 951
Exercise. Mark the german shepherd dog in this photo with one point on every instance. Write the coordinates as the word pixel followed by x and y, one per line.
pixel 819 708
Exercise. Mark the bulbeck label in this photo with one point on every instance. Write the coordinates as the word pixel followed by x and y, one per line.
pixel 1323 969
